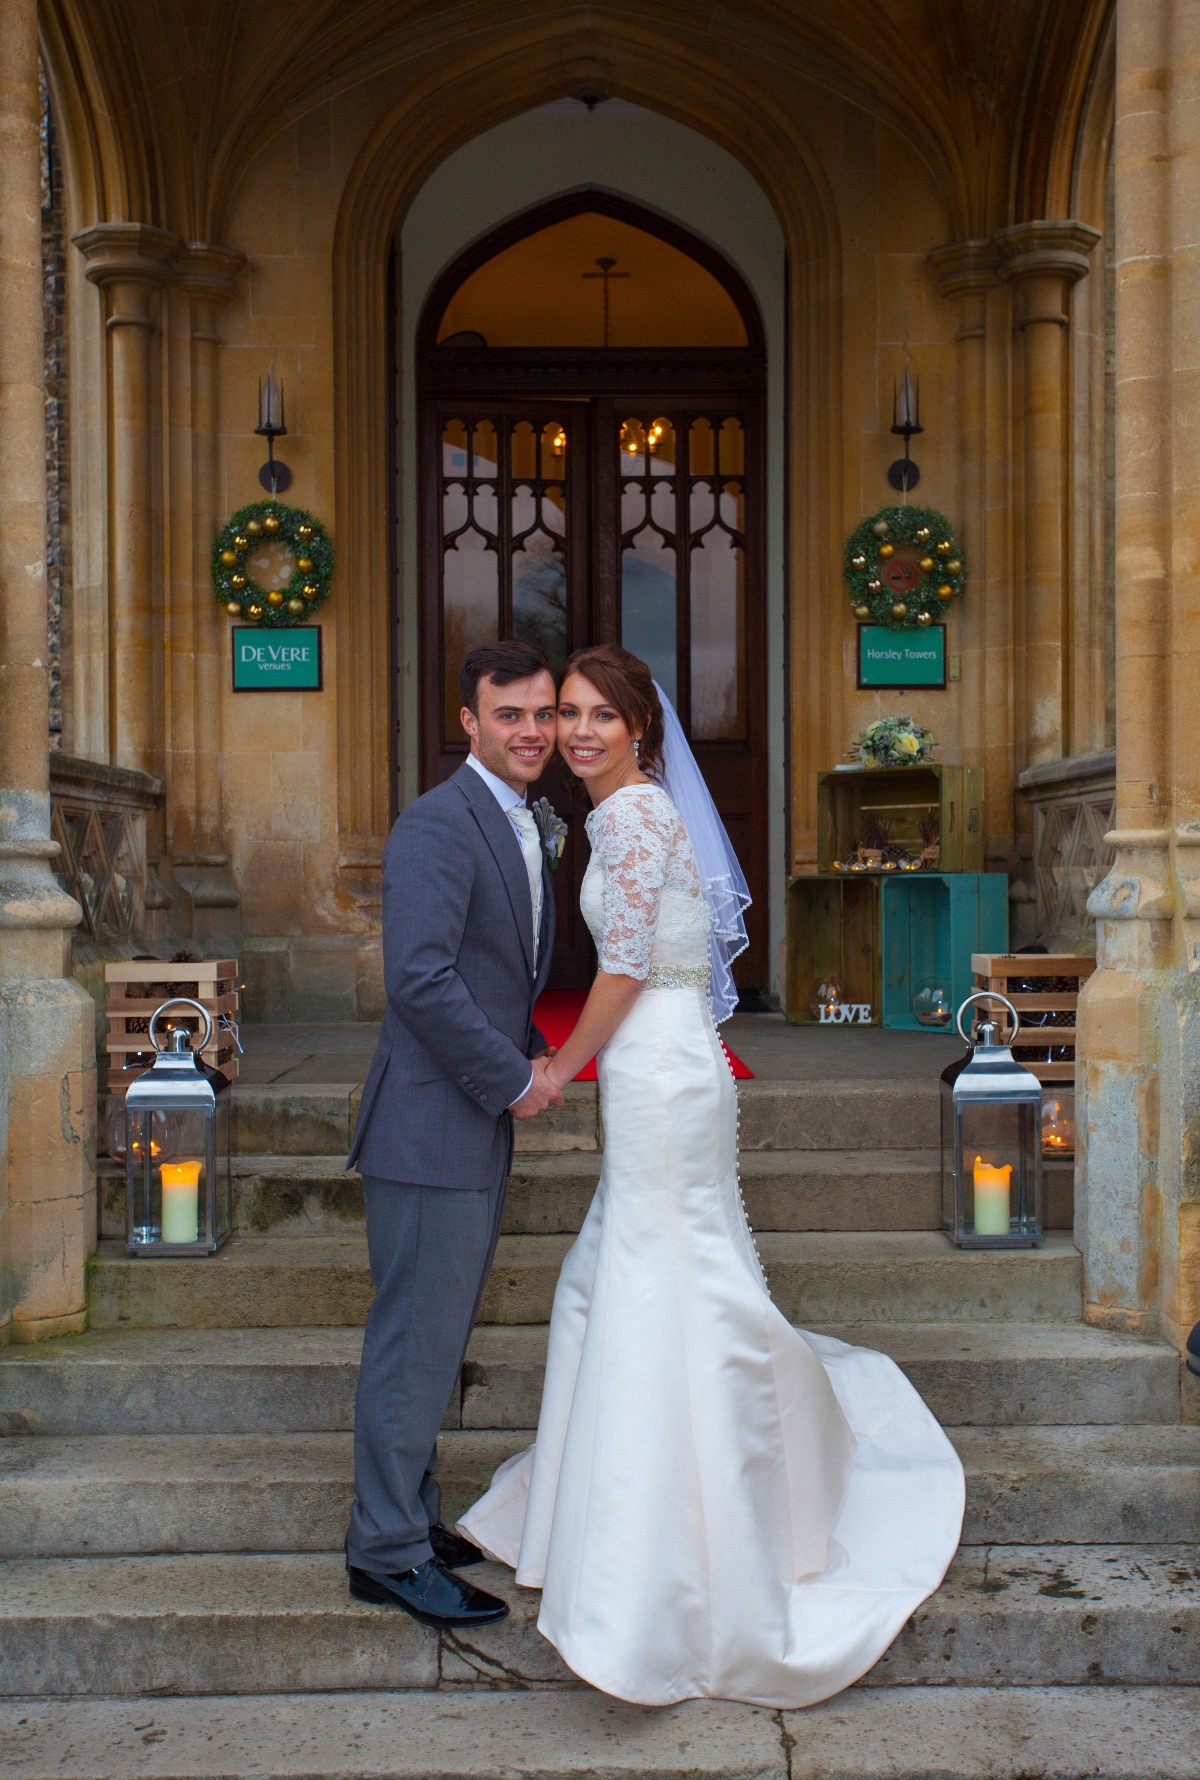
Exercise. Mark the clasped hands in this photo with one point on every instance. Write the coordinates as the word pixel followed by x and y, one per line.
pixel 542 1091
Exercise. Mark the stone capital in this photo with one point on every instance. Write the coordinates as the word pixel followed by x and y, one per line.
pixel 1039 249
pixel 962 268
pixel 1138 887
pixel 128 252
pixel 208 271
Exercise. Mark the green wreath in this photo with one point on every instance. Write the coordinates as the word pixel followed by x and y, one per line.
pixel 903 567
pixel 307 587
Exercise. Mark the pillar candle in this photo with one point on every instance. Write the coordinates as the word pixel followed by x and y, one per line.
pixel 180 1201
pixel 992 1191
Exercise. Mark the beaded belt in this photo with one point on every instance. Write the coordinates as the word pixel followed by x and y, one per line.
pixel 678 976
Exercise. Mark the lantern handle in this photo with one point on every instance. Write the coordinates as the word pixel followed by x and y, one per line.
pixel 988 995
pixel 182 1001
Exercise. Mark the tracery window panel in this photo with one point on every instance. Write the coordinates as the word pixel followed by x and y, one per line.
pixel 503 522
pixel 717 581
pixel 649 546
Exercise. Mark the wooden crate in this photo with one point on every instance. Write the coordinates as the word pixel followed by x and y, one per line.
pixel 136 987
pixel 1049 992
pixel 833 931
pixel 932 924
pixel 900 796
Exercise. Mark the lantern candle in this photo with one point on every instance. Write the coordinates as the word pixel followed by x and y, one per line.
pixel 180 1200
pixel 992 1196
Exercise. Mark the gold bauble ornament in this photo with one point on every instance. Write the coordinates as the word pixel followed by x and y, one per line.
pixel 880 528
pixel 923 534
pixel 899 610
pixel 229 557
pixel 954 568
pixel 271 523
pixel 254 527
pixel 924 618
pixel 927 563
pixel 945 591
pixel 237 580
pixel 254 612
pixel 234 610
pixel 241 543
pixel 304 564
pixel 862 611
pixel 874 586
pixel 310 590
pixel 304 530
pixel 945 547
pixel 858 562
pixel 886 550
pixel 295 605
pixel 275 598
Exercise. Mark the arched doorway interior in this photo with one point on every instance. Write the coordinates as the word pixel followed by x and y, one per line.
pixel 591 391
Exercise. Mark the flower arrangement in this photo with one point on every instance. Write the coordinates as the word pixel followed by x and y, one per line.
pixel 894 741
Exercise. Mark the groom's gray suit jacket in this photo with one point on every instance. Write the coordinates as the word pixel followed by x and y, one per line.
pixel 458 963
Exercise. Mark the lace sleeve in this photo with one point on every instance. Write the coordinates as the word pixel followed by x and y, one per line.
pixel 634 837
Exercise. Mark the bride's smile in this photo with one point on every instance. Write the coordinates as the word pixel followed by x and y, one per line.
pixel 595 740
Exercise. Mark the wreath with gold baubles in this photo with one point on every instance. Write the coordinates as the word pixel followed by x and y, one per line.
pixel 904 568
pixel 287 595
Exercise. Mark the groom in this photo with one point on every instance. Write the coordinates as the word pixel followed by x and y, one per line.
pixel 468 931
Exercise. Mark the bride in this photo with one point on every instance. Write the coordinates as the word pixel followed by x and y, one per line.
pixel 717 1503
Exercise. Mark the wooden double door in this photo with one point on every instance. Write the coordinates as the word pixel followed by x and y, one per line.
pixel 634 517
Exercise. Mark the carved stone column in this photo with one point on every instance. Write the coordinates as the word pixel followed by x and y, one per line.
pixel 966 276
pixel 1139 1075
pixel 130 262
pixel 1042 260
pixel 47 1058
pixel 201 865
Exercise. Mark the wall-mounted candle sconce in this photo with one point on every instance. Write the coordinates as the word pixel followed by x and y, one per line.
pixel 274 476
pixel 906 403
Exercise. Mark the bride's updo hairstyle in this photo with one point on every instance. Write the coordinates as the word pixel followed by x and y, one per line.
pixel 626 683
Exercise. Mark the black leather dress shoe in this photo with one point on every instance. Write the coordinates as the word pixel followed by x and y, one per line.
pixel 431 1593
pixel 455 1551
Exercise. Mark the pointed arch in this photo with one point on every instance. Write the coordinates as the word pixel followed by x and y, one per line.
pixel 452 106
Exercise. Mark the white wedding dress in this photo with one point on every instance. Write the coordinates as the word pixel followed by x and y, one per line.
pixel 717 1503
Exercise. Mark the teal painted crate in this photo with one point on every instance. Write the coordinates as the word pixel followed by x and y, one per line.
pixel 931 924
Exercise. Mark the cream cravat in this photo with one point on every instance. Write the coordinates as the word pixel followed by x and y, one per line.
pixel 530 838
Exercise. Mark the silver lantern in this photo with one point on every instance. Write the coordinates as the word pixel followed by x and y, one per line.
pixel 991 1140
pixel 178 1190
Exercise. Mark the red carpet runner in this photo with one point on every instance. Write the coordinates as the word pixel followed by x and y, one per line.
pixel 557 1011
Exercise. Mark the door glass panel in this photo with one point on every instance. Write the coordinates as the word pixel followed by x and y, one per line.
pixel 717 587
pixel 700 449
pixel 523 456
pixel 486 457
pixel 633 448
pixel 648 604
pixel 660 442
pixel 733 448
pixel 554 450
pixel 539 597
pixel 471 608
pixel 454 448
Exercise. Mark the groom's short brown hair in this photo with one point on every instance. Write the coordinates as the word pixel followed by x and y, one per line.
pixel 501 663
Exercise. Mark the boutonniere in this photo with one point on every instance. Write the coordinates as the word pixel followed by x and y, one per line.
pixel 552 829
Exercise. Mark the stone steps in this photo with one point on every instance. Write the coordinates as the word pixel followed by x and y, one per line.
pixel 953 1733
pixel 815 1278
pixel 91 1495
pixel 550 1195
pixel 317 1119
pixel 1022 1615
pixel 288 1380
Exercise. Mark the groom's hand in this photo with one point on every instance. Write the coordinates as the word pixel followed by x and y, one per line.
pixel 540 1094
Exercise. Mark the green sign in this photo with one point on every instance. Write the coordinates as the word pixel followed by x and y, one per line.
pixel 276 660
pixel 901 658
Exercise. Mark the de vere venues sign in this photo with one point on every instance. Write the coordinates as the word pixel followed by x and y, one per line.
pixel 276 660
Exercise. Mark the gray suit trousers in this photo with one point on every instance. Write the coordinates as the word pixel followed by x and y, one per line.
pixel 431 1249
